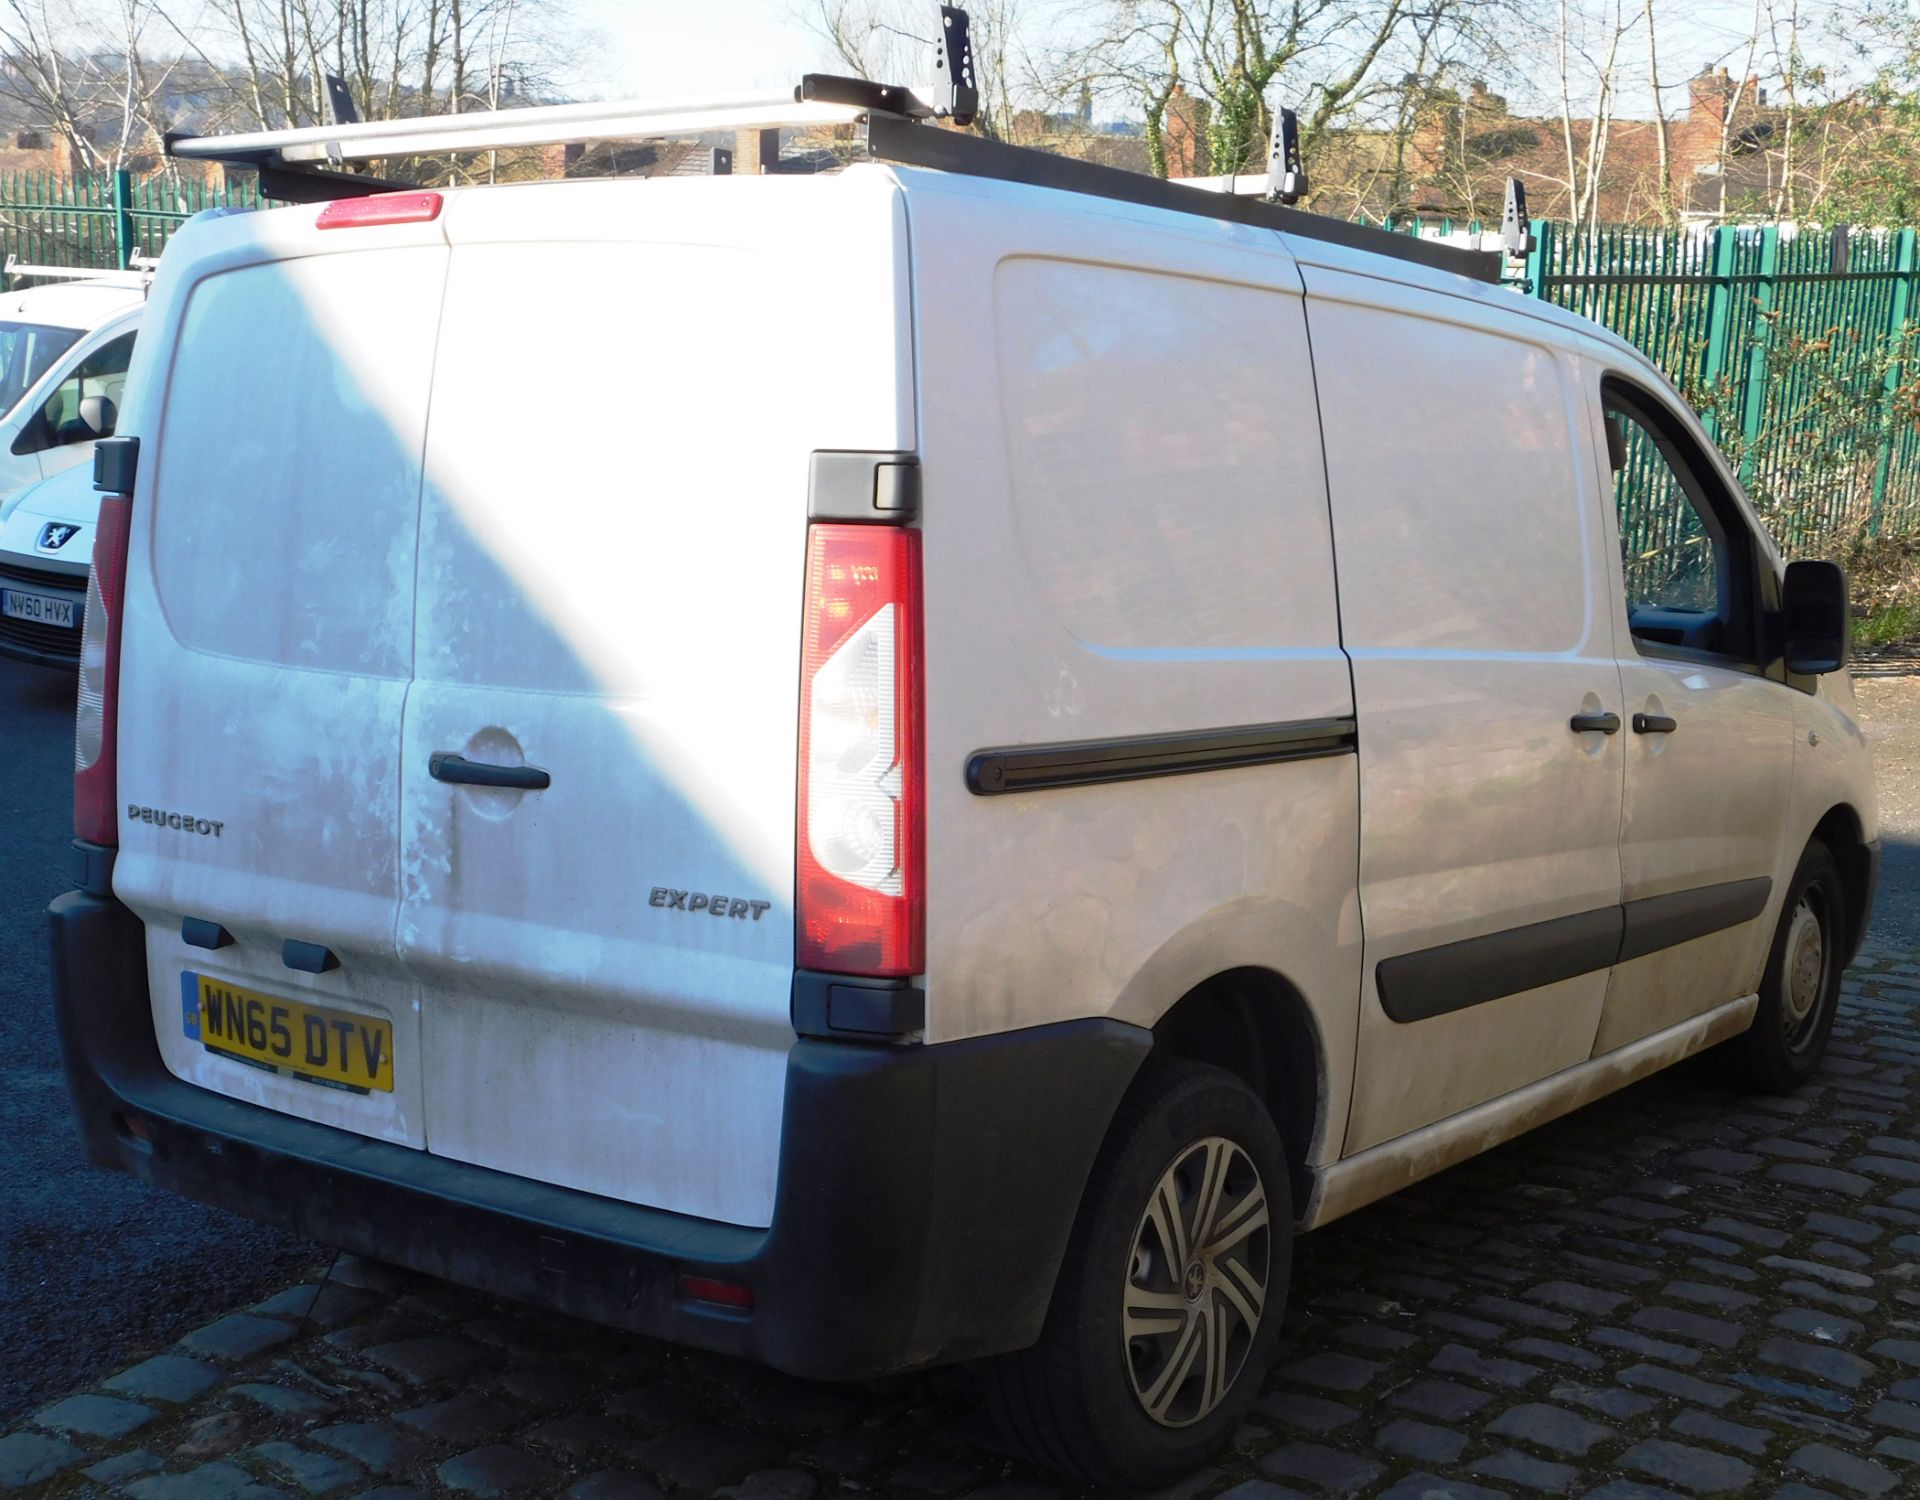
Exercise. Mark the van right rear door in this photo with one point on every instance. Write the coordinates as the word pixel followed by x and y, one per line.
pixel 599 763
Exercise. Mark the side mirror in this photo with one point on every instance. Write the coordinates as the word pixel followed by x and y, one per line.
pixel 1815 620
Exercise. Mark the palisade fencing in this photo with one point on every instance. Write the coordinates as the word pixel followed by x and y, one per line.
pixel 1798 347
pixel 100 220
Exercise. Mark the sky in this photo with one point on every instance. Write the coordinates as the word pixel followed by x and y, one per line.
pixel 677 47
pixel 665 47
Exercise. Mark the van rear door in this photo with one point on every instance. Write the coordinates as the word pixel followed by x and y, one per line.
pixel 280 392
pixel 598 775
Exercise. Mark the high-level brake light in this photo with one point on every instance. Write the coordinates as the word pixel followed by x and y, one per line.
pixel 862 796
pixel 379 208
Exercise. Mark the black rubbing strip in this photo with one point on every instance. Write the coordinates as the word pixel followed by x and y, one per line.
pixel 1473 971
pixel 1026 768
pixel 1658 922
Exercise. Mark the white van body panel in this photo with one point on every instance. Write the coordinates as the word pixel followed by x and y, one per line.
pixel 1097 570
pixel 1471 564
pixel 623 609
pixel 67 499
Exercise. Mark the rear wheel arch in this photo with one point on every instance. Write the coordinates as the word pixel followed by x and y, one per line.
pixel 1256 1025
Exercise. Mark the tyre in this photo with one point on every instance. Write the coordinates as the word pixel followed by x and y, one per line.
pixel 1800 990
pixel 1168 1306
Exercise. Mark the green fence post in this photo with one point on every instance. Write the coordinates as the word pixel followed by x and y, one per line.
pixel 1753 389
pixel 1903 264
pixel 1721 250
pixel 1538 258
pixel 123 216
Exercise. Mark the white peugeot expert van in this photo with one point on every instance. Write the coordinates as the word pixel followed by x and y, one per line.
pixel 1042 733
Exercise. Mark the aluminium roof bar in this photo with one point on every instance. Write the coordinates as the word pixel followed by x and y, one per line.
pixel 490 130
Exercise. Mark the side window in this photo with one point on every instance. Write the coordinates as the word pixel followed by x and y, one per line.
pixel 1685 557
pixel 85 405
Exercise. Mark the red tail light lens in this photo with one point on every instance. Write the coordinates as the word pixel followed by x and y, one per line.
pixel 95 761
pixel 379 208
pixel 862 796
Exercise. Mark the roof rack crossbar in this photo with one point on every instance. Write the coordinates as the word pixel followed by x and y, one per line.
pixel 138 273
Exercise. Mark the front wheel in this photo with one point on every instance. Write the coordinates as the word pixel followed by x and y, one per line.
pixel 1800 991
pixel 1168 1305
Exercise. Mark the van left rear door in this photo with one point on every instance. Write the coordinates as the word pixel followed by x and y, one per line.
pixel 280 395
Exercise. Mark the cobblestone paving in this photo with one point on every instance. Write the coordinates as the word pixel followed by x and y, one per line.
pixel 1679 1291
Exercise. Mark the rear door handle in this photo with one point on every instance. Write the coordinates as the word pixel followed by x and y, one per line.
pixel 1590 723
pixel 1653 724
pixel 445 765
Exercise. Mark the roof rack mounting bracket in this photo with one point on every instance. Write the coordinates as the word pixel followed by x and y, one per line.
pixel 1286 172
pixel 956 93
pixel 1516 230
pixel 341 110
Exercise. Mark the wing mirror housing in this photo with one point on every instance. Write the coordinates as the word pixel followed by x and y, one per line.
pixel 1816 622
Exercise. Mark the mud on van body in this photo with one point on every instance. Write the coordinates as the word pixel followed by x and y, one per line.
pixel 1168 692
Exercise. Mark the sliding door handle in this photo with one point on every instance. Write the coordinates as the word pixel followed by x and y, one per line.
pixel 1653 724
pixel 445 765
pixel 1594 723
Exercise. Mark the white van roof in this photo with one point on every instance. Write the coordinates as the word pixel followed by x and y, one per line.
pixel 73 304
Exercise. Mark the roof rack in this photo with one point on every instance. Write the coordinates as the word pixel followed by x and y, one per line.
pixel 304 164
pixel 139 271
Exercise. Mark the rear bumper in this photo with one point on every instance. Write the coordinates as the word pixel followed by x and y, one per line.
pixel 925 1193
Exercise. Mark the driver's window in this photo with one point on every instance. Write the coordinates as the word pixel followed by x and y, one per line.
pixel 1666 549
pixel 1679 559
pixel 65 417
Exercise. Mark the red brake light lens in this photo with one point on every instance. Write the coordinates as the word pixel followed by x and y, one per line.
pixel 95 758
pixel 379 208
pixel 859 898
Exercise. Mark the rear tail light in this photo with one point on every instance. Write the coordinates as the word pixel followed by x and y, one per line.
pixel 95 762
pixel 862 798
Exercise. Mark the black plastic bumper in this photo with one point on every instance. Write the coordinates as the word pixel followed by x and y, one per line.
pixel 924 1202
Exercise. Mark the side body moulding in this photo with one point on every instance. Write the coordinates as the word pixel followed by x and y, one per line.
pixel 1434 981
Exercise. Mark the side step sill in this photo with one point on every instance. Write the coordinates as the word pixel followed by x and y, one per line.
pixel 1379 1170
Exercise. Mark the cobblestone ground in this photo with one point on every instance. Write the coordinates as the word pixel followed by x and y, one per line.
pixel 1679 1291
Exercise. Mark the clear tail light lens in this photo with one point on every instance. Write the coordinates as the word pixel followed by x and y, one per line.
pixel 862 797
pixel 95 761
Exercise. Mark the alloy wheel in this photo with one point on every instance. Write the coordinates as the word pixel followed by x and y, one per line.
pixel 1196 1282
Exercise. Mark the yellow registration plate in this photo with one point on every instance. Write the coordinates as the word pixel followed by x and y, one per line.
pixel 332 1047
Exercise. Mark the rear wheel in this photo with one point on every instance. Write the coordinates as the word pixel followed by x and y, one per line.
pixel 1168 1306
pixel 1800 992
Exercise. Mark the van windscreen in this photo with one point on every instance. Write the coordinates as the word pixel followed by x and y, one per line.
pixel 26 350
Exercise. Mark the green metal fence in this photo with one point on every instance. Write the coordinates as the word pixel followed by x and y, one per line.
pixel 1798 350
pixel 101 220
